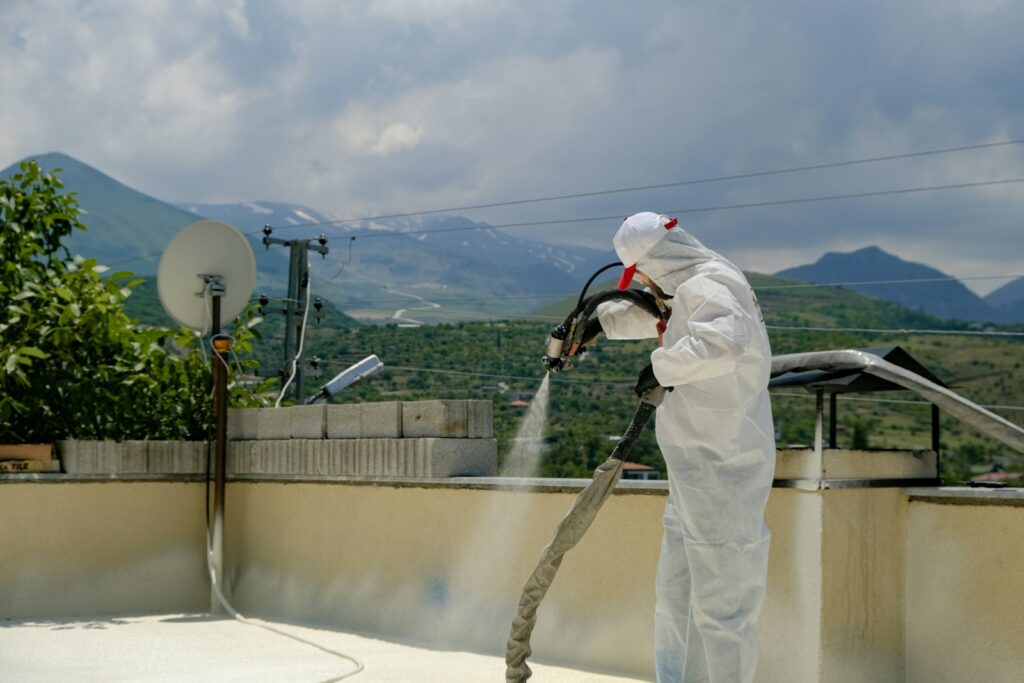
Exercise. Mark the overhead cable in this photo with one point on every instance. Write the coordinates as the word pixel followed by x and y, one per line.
pixel 703 209
pixel 908 281
pixel 628 382
pixel 528 297
pixel 783 328
pixel 618 216
pixel 618 382
pixel 861 399
pixel 489 317
pixel 638 188
pixel 903 330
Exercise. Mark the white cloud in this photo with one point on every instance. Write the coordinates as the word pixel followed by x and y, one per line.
pixel 397 137
pixel 395 105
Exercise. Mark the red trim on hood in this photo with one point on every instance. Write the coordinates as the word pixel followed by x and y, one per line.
pixel 671 224
pixel 627 277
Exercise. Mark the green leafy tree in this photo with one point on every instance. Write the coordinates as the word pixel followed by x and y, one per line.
pixel 72 363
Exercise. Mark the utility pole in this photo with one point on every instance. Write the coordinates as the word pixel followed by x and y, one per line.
pixel 295 303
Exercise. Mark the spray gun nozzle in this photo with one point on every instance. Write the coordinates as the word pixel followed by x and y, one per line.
pixel 552 360
pixel 553 364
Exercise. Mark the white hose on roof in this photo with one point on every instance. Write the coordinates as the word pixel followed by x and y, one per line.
pixel 230 609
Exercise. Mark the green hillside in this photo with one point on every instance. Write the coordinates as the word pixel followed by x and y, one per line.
pixel 500 361
pixel 123 223
pixel 594 401
pixel 144 306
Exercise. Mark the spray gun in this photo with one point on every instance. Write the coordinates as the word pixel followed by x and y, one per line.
pixel 569 339
pixel 556 356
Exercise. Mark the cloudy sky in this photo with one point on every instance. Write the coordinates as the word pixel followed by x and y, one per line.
pixel 380 106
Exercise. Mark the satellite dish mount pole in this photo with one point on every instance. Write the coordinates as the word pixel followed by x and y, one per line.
pixel 221 257
pixel 221 347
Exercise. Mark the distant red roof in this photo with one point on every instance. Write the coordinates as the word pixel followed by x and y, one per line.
pixel 637 467
pixel 518 404
pixel 997 476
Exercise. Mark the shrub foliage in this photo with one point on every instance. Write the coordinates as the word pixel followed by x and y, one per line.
pixel 72 363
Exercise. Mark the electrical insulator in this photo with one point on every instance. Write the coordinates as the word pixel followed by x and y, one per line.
pixel 267 230
pixel 322 239
pixel 318 303
pixel 314 362
pixel 264 300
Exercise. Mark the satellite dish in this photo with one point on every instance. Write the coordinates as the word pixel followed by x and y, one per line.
pixel 205 248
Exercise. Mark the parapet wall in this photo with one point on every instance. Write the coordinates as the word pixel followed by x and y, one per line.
pixel 865 583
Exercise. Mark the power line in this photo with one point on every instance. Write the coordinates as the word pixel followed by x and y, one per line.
pixel 144 257
pixel 871 330
pixel 949 278
pixel 784 328
pixel 704 209
pixel 351 241
pixel 617 382
pixel 638 188
pixel 630 383
pixel 527 297
pixel 723 207
pixel 859 399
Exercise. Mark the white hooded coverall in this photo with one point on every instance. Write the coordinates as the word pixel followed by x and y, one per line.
pixel 716 434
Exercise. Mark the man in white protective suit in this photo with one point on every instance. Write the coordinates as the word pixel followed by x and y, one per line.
pixel 715 431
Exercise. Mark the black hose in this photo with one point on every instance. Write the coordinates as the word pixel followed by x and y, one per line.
pixel 586 307
pixel 634 430
pixel 644 300
pixel 583 292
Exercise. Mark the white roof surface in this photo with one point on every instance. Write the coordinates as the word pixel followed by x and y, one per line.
pixel 198 647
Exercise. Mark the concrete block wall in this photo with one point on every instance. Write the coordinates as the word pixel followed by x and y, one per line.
pixel 407 458
pixel 364 421
pixel 431 439
pixel 455 419
pixel 132 457
pixel 447 419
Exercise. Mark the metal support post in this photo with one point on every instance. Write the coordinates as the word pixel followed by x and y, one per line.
pixel 832 420
pixel 302 289
pixel 291 321
pixel 220 410
pixel 819 411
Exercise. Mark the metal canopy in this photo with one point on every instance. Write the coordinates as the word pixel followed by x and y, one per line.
pixel 855 381
pixel 833 382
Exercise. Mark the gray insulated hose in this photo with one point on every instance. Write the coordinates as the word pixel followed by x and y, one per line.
pixel 569 532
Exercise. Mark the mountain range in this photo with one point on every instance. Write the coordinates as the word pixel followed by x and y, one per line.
pixel 448 267
pixel 445 268
pixel 876 273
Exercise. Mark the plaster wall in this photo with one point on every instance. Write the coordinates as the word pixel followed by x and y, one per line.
pixel 862 559
pixel 104 548
pixel 445 566
pixel 964 592
pixel 864 584
pixel 789 646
